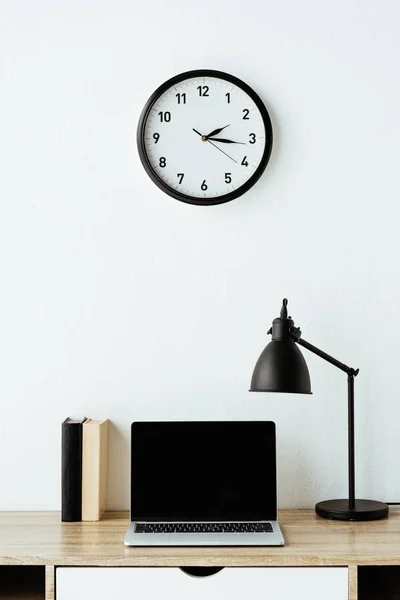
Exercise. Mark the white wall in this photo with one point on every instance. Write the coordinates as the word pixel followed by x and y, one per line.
pixel 118 301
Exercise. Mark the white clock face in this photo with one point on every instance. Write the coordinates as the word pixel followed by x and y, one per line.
pixel 205 139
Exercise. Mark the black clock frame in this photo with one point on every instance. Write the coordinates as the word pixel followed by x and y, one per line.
pixel 179 195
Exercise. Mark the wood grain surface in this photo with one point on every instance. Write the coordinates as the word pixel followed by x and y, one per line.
pixel 39 538
pixel 353 582
pixel 50 582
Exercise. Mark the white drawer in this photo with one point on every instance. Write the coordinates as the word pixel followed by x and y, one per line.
pixel 232 583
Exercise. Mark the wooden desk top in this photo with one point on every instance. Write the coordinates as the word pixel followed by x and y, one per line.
pixel 39 538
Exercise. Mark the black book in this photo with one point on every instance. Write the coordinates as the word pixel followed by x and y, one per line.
pixel 71 470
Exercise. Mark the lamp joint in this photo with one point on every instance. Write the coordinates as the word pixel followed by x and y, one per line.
pixel 353 372
pixel 295 332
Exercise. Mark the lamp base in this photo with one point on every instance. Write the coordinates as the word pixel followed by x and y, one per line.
pixel 364 510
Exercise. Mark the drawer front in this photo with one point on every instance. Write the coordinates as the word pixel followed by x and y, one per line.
pixel 232 583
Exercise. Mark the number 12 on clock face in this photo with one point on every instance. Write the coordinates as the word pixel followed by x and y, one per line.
pixel 204 137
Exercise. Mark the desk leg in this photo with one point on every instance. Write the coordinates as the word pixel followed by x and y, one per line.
pixel 50 574
pixel 353 592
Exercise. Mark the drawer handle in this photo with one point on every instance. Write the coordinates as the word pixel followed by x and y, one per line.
pixel 201 572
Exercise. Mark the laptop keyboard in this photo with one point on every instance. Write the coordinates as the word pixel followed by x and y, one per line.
pixel 203 528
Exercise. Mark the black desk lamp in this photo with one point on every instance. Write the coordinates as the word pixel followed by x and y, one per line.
pixel 281 368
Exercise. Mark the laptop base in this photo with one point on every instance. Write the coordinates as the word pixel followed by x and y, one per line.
pixel 274 538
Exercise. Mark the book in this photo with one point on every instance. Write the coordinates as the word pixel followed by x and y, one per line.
pixel 94 469
pixel 71 469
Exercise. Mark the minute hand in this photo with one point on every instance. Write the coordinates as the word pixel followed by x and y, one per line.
pixel 224 141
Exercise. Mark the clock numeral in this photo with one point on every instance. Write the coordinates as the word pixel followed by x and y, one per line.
pixel 156 137
pixel 204 186
pixel 252 137
pixel 228 177
pixel 180 177
pixel 181 98
pixel 246 114
pixel 164 116
pixel 203 90
pixel 163 162
pixel 244 162
pixel 228 97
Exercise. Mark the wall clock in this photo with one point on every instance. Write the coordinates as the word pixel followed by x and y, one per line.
pixel 204 137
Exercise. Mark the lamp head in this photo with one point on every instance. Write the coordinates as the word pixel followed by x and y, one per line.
pixel 281 366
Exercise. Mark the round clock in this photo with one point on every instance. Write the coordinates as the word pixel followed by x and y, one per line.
pixel 204 137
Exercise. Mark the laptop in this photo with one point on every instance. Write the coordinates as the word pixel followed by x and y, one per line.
pixel 203 484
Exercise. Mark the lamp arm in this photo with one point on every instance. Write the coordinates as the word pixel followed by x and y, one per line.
pixel 351 373
pixel 296 333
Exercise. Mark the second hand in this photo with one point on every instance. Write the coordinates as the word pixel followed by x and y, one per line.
pixel 222 151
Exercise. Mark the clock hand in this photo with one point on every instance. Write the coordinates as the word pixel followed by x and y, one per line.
pixel 223 141
pixel 205 139
pixel 212 144
pixel 216 131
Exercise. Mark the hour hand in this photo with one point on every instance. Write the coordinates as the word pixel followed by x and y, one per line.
pixel 224 141
pixel 216 131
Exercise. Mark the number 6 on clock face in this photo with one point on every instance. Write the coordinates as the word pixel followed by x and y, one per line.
pixel 204 137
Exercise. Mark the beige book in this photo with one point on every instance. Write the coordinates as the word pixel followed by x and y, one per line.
pixel 94 469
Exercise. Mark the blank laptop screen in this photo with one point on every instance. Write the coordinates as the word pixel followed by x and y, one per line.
pixel 203 471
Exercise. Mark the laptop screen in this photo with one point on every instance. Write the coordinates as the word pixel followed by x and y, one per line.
pixel 203 471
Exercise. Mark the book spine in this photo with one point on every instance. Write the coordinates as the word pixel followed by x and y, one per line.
pixel 71 470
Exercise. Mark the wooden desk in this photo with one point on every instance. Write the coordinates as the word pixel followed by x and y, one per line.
pixel 40 539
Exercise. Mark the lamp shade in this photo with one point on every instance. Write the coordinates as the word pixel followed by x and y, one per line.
pixel 281 368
